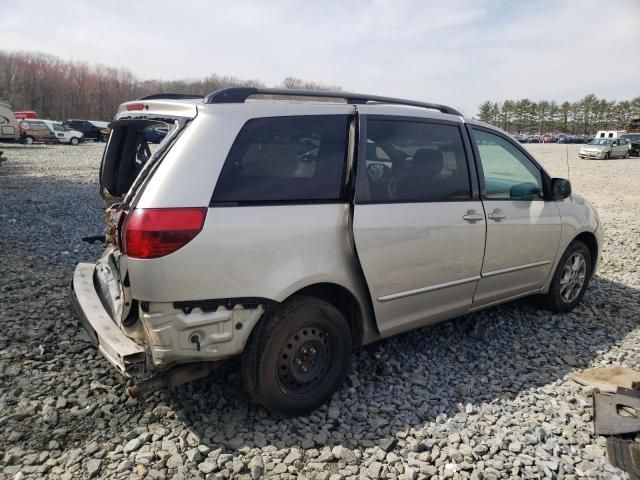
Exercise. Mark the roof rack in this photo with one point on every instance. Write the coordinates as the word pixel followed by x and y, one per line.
pixel 171 96
pixel 240 94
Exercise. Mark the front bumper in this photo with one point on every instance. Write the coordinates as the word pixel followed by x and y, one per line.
pixel 125 354
pixel 596 155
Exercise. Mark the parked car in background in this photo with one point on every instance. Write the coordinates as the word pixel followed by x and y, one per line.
pixel 546 139
pixel 36 131
pixel 63 133
pixel 92 130
pixel 521 138
pixel 155 134
pixel 634 143
pixel 605 148
pixel 9 128
pixel 26 115
pixel 258 230
pixel 533 139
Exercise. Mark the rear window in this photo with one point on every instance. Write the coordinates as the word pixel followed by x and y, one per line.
pixel 129 148
pixel 285 159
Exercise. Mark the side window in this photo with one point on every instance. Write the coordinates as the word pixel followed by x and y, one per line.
pixel 508 173
pixel 412 161
pixel 286 159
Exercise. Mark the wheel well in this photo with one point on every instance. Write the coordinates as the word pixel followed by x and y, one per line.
pixel 589 239
pixel 344 301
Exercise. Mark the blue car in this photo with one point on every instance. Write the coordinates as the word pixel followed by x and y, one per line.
pixel 155 134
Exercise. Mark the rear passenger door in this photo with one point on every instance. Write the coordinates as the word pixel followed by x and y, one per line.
pixel 418 223
pixel 523 228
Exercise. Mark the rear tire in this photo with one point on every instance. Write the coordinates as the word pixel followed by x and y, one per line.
pixel 570 279
pixel 628 154
pixel 298 356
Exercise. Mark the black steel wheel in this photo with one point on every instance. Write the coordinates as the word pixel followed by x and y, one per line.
pixel 305 358
pixel 297 356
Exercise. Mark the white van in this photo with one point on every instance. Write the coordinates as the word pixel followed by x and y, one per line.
pixel 63 133
pixel 610 133
pixel 9 130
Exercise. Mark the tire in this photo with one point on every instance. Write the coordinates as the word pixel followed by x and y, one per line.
pixel 74 141
pixel 297 356
pixel 29 141
pixel 570 279
pixel 607 156
pixel 628 154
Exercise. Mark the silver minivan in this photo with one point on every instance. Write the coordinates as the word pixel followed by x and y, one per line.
pixel 290 233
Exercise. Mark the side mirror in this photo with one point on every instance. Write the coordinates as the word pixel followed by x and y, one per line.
pixel 560 188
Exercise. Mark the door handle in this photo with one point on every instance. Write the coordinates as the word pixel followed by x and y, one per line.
pixel 472 216
pixel 496 215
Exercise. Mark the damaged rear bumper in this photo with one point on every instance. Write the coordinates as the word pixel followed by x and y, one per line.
pixel 125 354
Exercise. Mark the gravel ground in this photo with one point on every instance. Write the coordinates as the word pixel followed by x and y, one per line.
pixel 484 396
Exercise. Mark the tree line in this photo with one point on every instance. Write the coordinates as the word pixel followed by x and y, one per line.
pixel 585 116
pixel 60 89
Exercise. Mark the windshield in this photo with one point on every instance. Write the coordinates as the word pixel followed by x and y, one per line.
pixel 631 138
pixel 600 141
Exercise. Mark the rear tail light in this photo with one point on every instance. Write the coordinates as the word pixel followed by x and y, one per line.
pixel 156 232
pixel 135 106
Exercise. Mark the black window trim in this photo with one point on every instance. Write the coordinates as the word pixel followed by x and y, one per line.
pixel 471 170
pixel 544 176
pixel 344 187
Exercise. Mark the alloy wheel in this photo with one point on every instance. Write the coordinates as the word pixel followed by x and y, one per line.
pixel 573 277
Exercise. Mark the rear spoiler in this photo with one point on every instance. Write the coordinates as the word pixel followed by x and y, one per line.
pixel 170 107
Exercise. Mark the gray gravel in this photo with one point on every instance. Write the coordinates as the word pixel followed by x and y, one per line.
pixel 484 396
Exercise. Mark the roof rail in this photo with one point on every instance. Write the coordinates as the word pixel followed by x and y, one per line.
pixel 171 96
pixel 240 94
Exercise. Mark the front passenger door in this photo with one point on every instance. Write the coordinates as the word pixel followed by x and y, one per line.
pixel 523 229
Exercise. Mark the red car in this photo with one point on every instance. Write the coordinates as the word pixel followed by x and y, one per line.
pixel 546 139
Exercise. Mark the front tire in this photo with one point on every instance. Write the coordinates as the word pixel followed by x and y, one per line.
pixel 298 357
pixel 570 279
pixel 29 141
pixel 74 141
pixel 627 155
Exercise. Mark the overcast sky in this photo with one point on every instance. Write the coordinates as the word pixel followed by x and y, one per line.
pixel 447 51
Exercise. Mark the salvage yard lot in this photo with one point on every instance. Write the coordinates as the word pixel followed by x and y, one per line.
pixel 483 396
